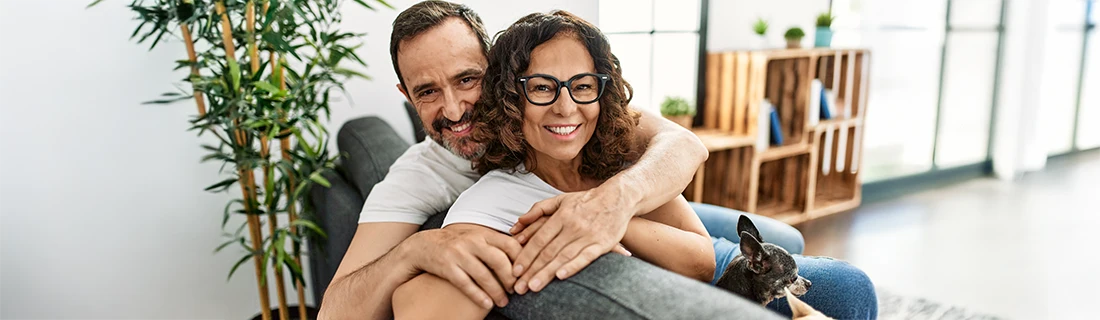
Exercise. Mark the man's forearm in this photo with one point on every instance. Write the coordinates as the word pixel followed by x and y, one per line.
pixel 367 292
pixel 661 174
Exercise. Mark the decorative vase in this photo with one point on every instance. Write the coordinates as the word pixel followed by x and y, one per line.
pixel 794 43
pixel 684 120
pixel 823 37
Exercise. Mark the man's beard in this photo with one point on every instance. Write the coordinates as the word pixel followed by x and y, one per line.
pixel 464 147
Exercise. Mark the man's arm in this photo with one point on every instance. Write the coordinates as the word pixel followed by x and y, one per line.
pixel 592 222
pixel 369 273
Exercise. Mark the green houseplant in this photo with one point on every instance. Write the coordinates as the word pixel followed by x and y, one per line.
pixel 794 37
pixel 261 76
pixel 679 110
pixel 823 36
pixel 760 28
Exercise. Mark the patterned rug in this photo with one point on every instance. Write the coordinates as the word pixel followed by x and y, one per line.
pixel 892 306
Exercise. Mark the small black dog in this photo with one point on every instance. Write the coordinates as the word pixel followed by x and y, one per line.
pixel 763 270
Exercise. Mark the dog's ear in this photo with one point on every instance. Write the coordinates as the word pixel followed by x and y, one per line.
pixel 754 253
pixel 745 225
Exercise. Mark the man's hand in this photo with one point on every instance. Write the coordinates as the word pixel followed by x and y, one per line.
pixel 581 227
pixel 468 257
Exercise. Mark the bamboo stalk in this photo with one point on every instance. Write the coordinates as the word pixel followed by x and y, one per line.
pixel 190 44
pixel 248 182
pixel 292 207
pixel 272 222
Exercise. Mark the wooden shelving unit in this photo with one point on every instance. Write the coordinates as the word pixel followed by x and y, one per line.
pixel 816 171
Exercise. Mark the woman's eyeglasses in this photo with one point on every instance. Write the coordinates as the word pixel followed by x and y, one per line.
pixel 543 90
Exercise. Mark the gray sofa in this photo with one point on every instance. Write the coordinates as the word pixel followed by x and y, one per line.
pixel 370 146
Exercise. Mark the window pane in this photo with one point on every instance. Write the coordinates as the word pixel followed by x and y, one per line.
pixel 1058 83
pixel 676 15
pixel 626 15
pixel 975 13
pixel 634 52
pixel 967 98
pixel 1088 122
pixel 901 112
pixel 675 67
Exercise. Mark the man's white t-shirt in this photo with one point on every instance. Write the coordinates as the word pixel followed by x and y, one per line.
pixel 425 180
pixel 499 199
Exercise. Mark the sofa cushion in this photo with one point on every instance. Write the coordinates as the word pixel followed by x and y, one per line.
pixel 371 146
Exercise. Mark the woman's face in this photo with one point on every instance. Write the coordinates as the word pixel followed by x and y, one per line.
pixel 560 130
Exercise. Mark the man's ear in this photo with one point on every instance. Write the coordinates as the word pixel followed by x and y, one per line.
pixel 404 93
pixel 754 253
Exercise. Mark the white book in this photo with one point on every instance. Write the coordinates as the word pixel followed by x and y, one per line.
pixel 815 102
pixel 830 96
pixel 826 165
pixel 763 126
pixel 841 150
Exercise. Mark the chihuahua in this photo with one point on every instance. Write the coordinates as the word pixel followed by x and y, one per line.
pixel 763 271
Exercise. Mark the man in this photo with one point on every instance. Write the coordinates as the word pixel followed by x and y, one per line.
pixel 439 54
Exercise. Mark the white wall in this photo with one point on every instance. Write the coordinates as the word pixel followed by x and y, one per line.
pixel 102 213
pixel 730 21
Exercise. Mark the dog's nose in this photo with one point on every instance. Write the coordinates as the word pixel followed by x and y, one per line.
pixel 808 283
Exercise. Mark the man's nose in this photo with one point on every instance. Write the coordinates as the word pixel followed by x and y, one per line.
pixel 452 106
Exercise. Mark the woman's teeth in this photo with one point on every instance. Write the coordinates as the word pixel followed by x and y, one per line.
pixel 461 127
pixel 562 130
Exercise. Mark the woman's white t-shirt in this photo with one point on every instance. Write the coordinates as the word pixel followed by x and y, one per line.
pixel 499 199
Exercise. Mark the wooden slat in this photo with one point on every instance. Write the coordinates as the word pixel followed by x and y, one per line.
pixel 725 97
pixel 740 101
pixel 710 116
pixel 757 75
pixel 787 111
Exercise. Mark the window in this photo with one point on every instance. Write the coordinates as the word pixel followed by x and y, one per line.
pixel 657 43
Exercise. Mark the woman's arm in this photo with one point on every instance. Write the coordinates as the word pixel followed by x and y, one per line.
pixel 672 237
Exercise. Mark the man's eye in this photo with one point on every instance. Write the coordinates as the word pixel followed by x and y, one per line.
pixel 427 92
pixel 468 82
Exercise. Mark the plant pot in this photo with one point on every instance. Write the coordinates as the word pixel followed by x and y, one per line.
pixel 684 121
pixel 794 43
pixel 758 42
pixel 311 313
pixel 823 37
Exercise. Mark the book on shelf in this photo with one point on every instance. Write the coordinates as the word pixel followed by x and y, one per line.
pixel 828 104
pixel 763 120
pixel 815 102
pixel 776 129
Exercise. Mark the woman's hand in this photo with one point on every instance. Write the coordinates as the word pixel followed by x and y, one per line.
pixel 576 229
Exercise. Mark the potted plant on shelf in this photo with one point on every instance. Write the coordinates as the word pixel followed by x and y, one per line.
pixel 678 110
pixel 262 106
pixel 760 28
pixel 794 37
pixel 823 36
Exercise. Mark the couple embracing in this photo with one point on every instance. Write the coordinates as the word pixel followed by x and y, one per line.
pixel 560 200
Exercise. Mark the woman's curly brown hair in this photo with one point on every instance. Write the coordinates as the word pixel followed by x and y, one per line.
pixel 499 113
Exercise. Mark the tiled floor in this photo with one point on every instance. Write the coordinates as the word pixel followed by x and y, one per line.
pixel 1028 249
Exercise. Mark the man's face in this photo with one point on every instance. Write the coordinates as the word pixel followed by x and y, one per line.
pixel 442 69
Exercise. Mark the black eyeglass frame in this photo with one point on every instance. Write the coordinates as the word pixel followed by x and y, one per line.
pixel 603 78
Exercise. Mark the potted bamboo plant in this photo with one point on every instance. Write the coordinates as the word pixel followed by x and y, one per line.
pixel 794 37
pixel 678 110
pixel 262 73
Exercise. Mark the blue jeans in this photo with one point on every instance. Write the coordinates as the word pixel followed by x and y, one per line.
pixel 839 290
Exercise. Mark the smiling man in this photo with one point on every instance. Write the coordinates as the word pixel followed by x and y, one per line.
pixel 439 52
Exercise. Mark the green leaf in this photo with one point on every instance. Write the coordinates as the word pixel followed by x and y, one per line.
pixel 93 3
pixel 265 86
pixel 363 3
pixel 224 184
pixel 237 265
pixel 310 225
pixel 316 177
pixel 235 73
pixel 226 244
